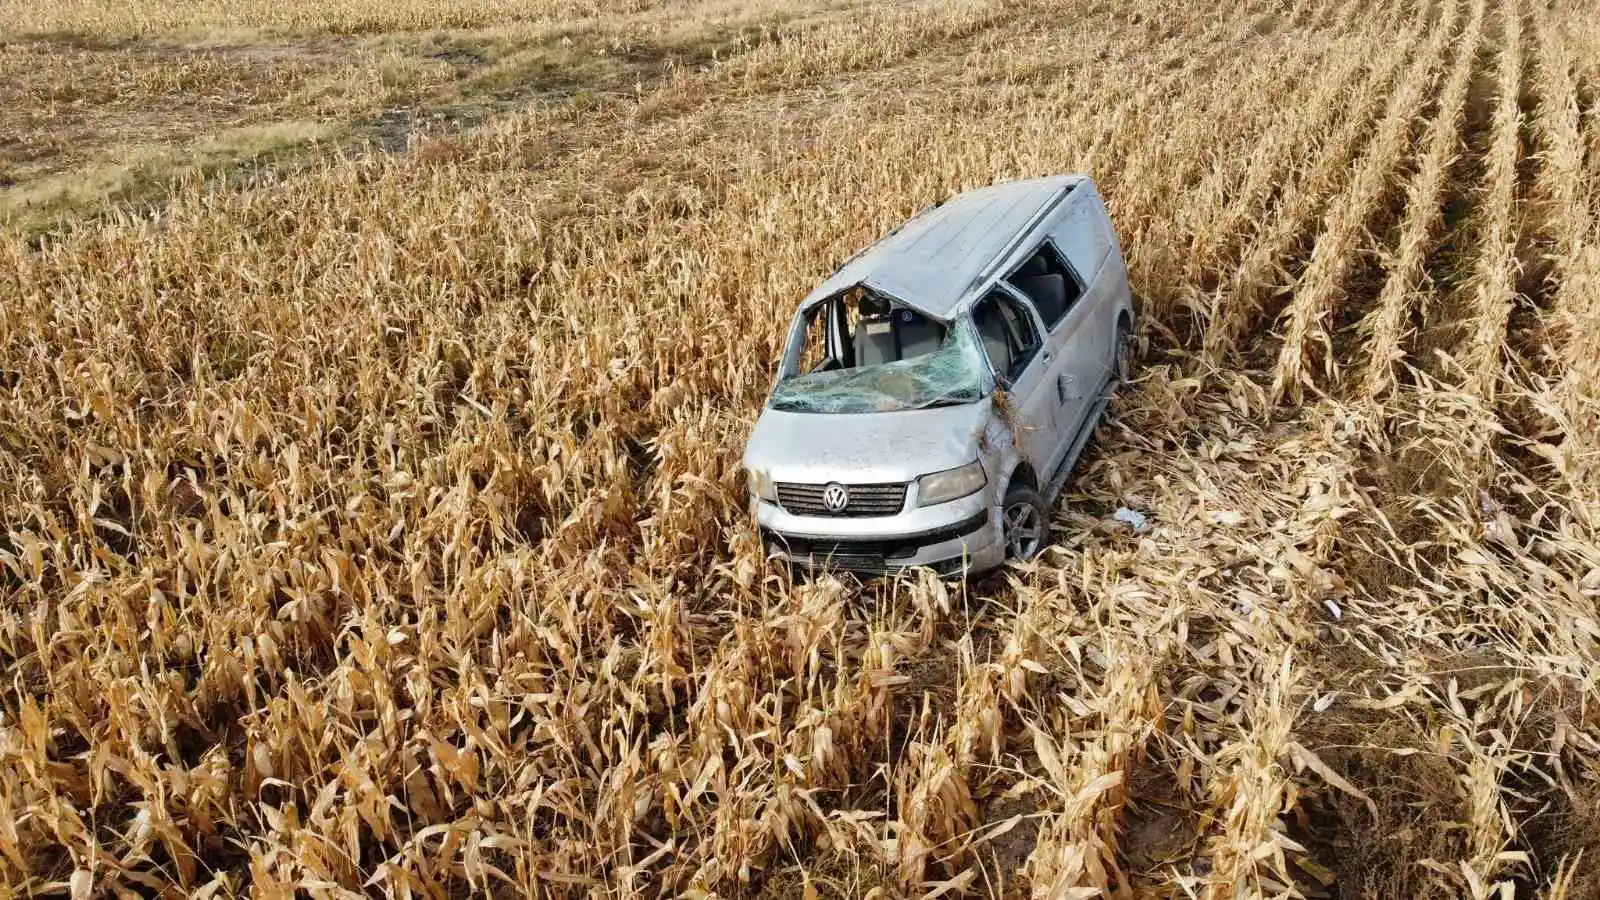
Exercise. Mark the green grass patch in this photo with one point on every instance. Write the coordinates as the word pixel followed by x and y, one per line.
pixel 49 203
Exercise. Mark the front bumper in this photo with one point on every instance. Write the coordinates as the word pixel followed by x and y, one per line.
pixel 962 535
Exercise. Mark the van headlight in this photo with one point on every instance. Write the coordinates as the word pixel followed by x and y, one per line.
pixel 761 485
pixel 951 484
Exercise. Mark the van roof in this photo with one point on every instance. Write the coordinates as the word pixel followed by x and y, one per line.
pixel 938 261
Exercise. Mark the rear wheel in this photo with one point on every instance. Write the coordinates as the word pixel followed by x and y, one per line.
pixel 1124 359
pixel 1023 522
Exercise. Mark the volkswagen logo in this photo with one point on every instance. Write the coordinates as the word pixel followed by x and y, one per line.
pixel 835 498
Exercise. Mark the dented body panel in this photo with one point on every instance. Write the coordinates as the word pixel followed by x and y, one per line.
pixel 806 447
pixel 894 453
pixel 937 261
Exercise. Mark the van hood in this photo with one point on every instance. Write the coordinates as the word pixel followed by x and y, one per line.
pixel 866 448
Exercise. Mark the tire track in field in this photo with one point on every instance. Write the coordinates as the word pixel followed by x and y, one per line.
pixel 996 816
pixel 1234 846
pixel 1402 463
pixel 1133 860
pixel 1441 314
pixel 1499 360
pixel 1379 553
pixel 1480 354
pixel 1384 332
pixel 1340 277
pixel 1184 277
pixel 1239 304
pixel 1375 337
pixel 1164 815
pixel 1566 195
pixel 1239 828
pixel 1370 563
pixel 1533 363
pixel 1456 441
pixel 1047 869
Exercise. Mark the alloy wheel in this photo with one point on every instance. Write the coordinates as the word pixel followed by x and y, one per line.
pixel 1024 530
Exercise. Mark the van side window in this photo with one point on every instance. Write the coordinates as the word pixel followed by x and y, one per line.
pixel 1010 337
pixel 1049 281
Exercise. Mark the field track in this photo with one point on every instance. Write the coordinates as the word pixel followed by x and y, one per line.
pixel 379 528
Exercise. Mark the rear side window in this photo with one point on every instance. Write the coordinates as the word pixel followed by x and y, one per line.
pixel 1049 281
pixel 1009 335
pixel 1083 234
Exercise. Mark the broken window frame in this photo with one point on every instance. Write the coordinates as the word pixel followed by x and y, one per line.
pixel 1003 288
pixel 1056 263
pixel 961 345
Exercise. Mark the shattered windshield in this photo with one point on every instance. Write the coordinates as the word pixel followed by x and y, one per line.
pixel 860 354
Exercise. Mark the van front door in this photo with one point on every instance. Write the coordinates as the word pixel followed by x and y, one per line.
pixel 1057 294
pixel 1014 342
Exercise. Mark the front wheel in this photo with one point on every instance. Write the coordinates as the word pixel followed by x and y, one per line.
pixel 1023 522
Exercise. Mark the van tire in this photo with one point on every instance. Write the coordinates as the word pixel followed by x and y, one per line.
pixel 1122 360
pixel 1024 523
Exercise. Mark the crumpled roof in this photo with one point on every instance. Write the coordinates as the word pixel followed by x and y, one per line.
pixel 938 259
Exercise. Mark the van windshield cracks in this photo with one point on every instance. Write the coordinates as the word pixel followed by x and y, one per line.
pixel 861 353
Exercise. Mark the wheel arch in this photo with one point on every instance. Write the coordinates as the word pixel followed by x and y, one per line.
pixel 1022 473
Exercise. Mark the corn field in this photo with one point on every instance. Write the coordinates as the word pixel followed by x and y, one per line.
pixel 379 530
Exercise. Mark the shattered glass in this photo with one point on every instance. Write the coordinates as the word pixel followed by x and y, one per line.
pixel 953 374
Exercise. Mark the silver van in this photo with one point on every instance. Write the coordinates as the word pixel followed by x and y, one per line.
pixel 936 391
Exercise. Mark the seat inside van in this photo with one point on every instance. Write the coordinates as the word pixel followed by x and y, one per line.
pixel 1045 281
pixel 1048 293
pixel 874 340
pixel 884 337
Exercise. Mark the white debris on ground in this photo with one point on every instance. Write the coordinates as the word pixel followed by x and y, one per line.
pixel 1134 519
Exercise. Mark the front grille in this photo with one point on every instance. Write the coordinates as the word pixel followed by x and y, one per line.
pixel 828 548
pixel 865 499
